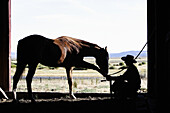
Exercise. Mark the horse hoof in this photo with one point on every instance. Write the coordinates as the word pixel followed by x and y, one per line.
pixel 72 97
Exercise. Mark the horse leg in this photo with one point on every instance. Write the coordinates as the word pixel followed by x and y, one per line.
pixel 18 73
pixel 69 77
pixel 31 72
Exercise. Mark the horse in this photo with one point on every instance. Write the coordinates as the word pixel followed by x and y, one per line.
pixel 63 51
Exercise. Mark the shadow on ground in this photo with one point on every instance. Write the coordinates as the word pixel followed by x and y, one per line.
pixel 80 105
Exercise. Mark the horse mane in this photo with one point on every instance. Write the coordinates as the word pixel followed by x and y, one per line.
pixel 73 44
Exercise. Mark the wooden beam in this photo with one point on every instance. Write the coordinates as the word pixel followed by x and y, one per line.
pixel 4 45
pixel 158 16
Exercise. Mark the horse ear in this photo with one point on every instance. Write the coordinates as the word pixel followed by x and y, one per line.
pixel 106 48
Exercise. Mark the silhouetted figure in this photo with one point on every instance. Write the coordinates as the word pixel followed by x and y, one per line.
pixel 127 84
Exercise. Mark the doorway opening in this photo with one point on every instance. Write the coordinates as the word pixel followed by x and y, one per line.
pixel 123 28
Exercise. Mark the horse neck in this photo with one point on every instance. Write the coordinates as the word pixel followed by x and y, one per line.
pixel 91 52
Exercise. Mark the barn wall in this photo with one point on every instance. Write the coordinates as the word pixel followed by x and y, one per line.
pixel 158 16
pixel 4 46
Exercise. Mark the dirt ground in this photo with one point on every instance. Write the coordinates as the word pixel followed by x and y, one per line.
pixel 80 105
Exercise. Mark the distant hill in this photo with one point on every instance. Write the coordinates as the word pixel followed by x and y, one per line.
pixel 111 55
pixel 134 53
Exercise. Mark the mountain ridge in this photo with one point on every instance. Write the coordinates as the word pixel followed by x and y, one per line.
pixel 124 53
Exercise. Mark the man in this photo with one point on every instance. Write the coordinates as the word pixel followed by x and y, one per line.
pixel 127 84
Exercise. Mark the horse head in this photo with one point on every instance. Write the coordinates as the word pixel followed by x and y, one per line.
pixel 102 61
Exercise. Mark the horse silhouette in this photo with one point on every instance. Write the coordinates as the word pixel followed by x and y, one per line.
pixel 60 52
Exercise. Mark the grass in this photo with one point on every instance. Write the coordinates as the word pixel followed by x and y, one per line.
pixel 86 90
pixel 79 85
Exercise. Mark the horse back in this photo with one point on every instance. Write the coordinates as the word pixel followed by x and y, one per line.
pixel 38 49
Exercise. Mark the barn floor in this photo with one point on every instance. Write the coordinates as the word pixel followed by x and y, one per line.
pixel 84 103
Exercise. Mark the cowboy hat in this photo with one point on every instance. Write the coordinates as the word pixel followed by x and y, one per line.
pixel 129 58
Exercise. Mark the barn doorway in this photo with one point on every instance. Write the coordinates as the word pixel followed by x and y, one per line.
pixel 43 19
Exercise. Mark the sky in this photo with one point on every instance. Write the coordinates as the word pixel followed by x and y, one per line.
pixel 121 25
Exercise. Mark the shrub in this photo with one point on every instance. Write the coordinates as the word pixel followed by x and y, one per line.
pixel 13 65
pixel 75 84
pixel 121 64
pixel 111 67
pixel 140 64
pixel 143 63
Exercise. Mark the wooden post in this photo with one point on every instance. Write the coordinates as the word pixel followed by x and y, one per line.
pixel 5 45
pixel 158 79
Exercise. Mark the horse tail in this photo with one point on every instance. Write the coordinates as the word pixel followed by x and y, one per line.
pixel 21 56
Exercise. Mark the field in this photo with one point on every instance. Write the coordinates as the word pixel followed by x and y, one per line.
pixel 49 79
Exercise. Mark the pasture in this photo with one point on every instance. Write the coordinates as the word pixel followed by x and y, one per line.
pixel 51 79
